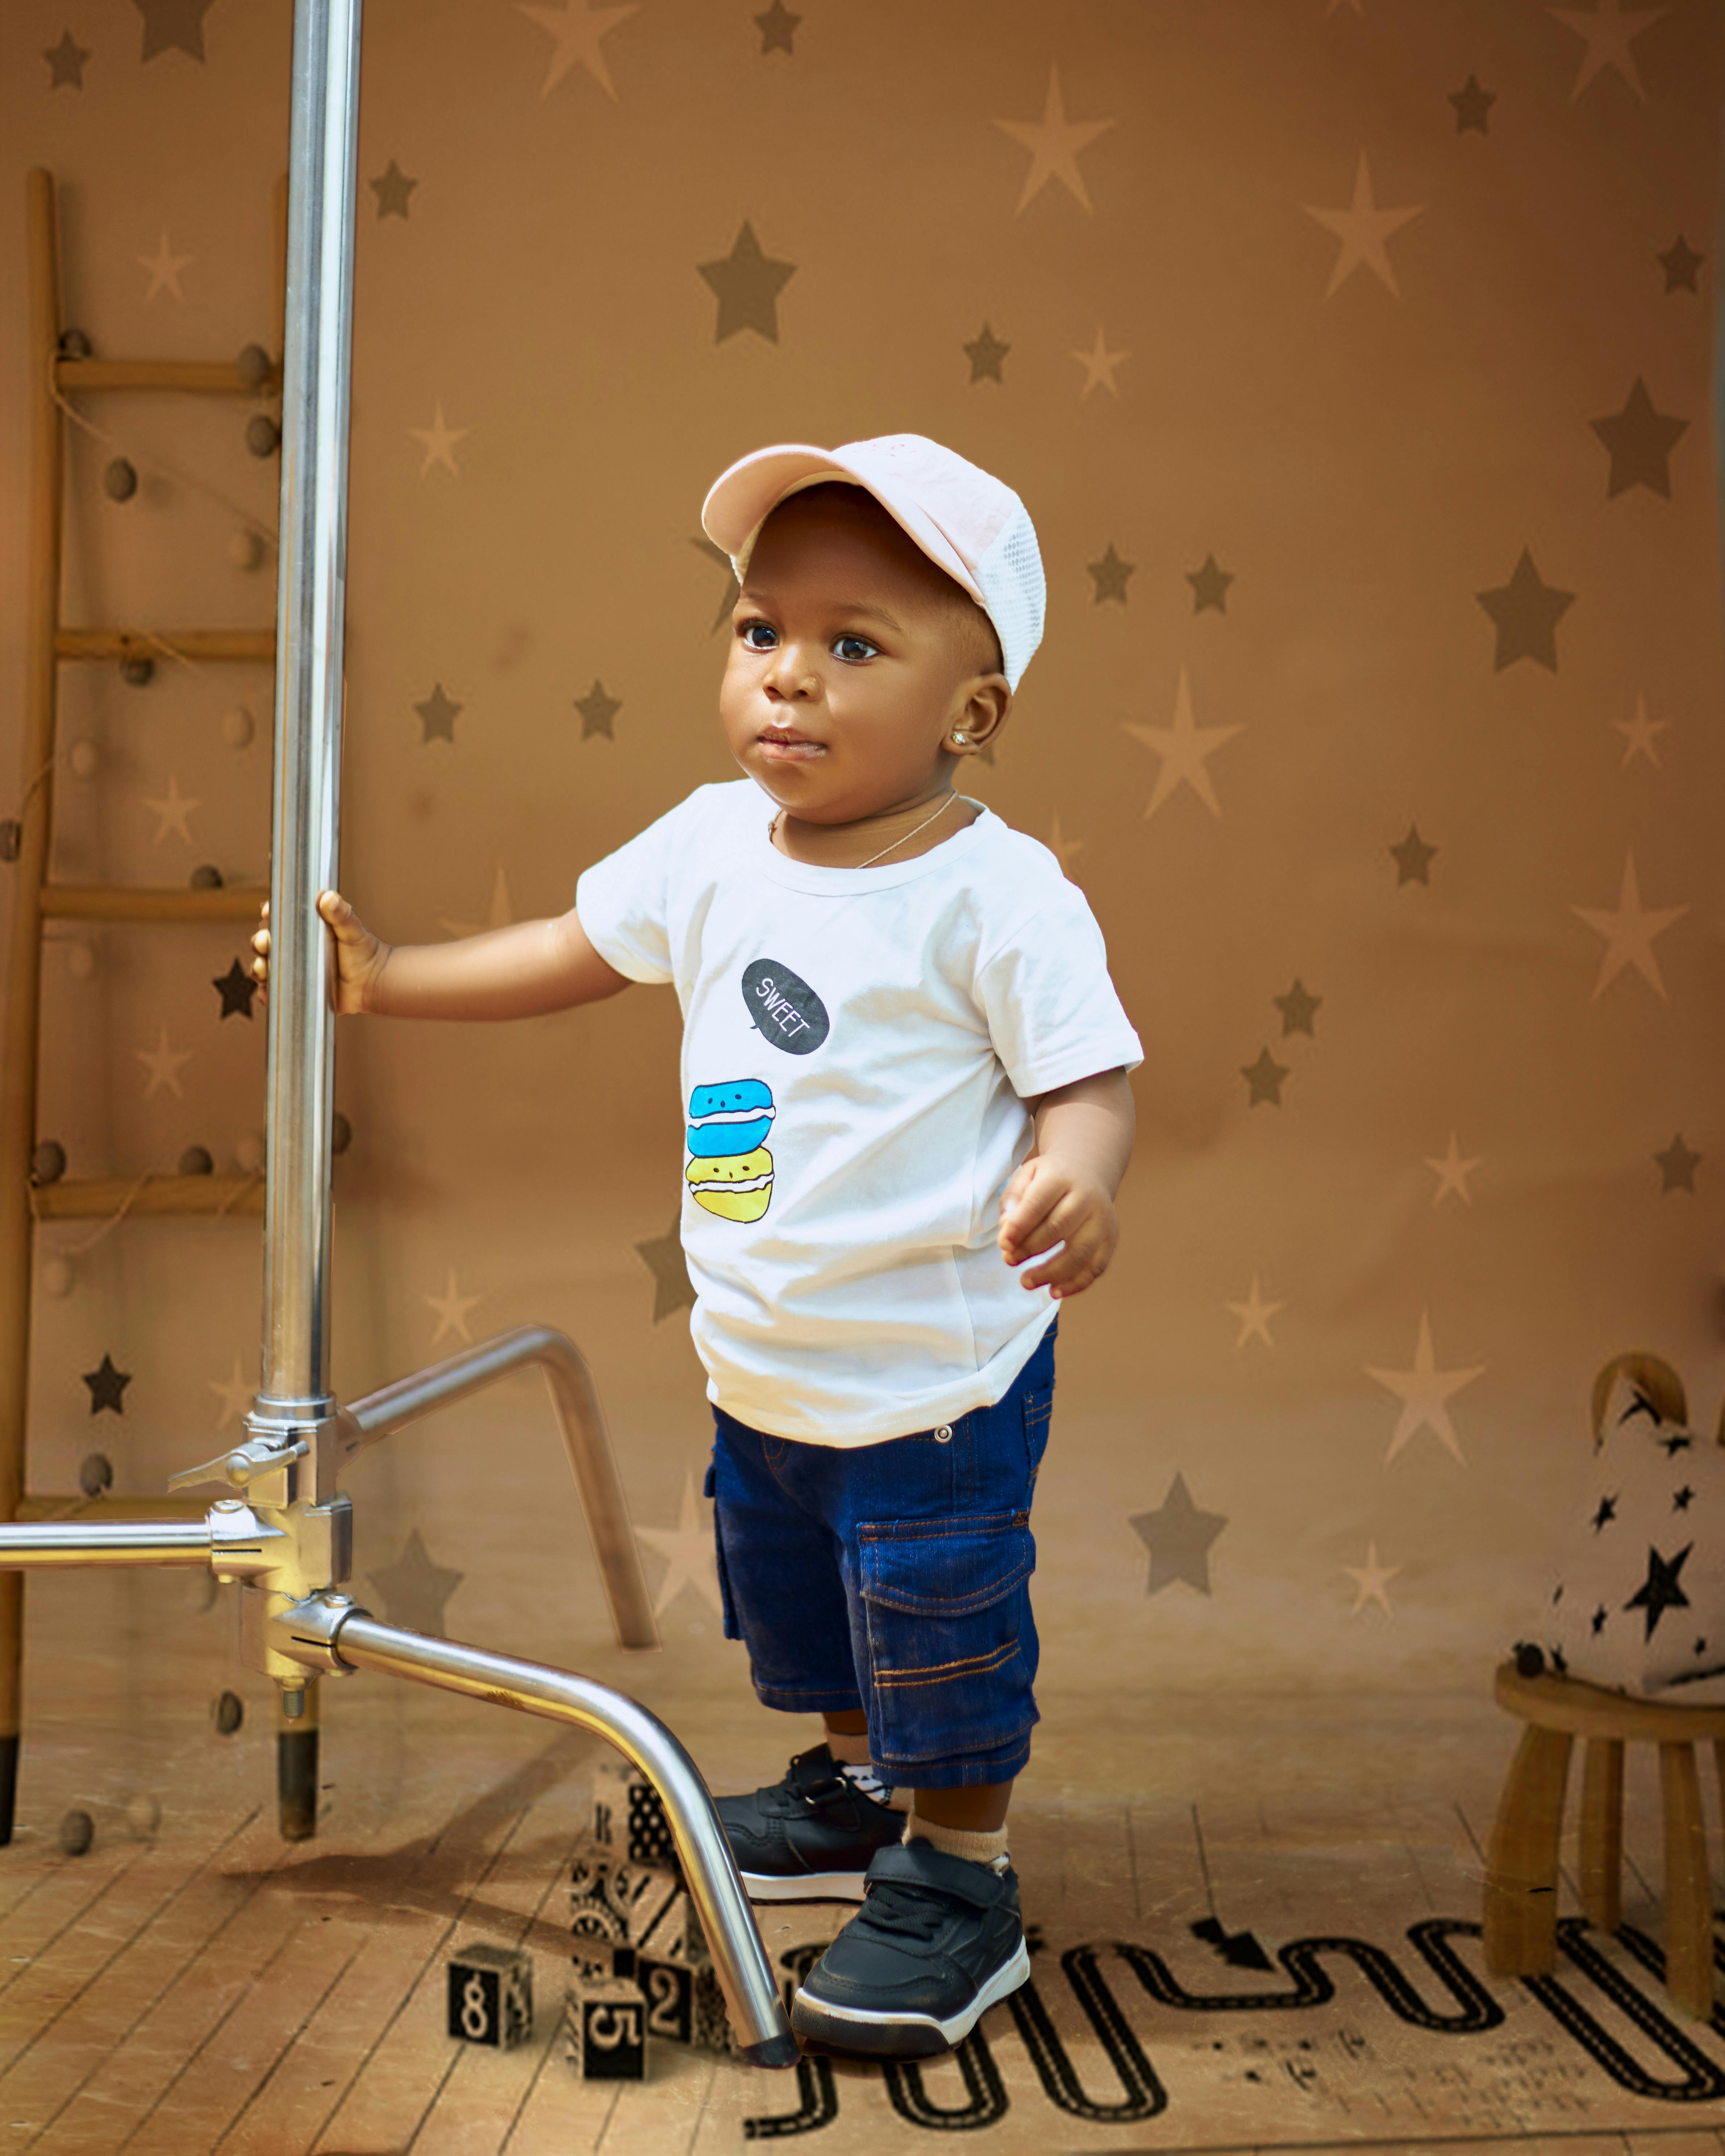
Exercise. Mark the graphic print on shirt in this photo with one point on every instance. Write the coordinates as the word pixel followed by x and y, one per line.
pixel 782 1008
pixel 731 1172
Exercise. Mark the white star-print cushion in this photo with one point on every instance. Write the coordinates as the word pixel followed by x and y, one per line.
pixel 1640 1604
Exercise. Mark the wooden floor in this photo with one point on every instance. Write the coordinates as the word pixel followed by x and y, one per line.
pixel 189 1984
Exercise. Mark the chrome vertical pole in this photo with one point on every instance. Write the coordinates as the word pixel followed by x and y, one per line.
pixel 310 599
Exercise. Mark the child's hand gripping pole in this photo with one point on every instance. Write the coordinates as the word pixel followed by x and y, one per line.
pixel 360 956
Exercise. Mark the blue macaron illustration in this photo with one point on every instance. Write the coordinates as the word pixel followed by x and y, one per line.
pixel 731 1170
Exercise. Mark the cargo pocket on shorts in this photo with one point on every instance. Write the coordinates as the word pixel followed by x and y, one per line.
pixel 710 1488
pixel 945 1601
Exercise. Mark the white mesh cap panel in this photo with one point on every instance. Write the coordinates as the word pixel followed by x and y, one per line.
pixel 1009 577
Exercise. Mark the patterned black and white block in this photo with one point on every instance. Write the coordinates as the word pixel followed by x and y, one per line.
pixel 1639 1602
pixel 627 1815
pixel 491 1995
pixel 612 1903
pixel 675 1970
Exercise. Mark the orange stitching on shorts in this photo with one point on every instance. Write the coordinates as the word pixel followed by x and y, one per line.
pixel 945 1672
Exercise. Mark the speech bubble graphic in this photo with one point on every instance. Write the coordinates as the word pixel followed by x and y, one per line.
pixel 782 1008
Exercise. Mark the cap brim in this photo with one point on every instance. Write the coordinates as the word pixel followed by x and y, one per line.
pixel 742 498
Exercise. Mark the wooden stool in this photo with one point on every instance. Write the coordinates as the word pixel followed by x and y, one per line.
pixel 1522 1872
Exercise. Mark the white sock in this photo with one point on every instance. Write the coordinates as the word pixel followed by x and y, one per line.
pixel 977 1847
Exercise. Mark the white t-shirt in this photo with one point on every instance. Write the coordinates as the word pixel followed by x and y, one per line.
pixel 858 1045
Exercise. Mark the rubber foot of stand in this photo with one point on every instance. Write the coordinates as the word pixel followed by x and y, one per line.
pixel 776 2051
pixel 8 1785
pixel 297 1783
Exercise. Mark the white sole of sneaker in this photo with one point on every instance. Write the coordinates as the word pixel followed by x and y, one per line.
pixel 805 1887
pixel 903 2036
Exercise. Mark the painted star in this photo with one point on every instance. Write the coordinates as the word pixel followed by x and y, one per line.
pixel 1609 31
pixel 1053 143
pixel 598 710
pixel 1063 848
pixel 1177 1536
pixel 689 1553
pixel 1425 1393
pixel 1640 441
pixel 391 188
pixel 1628 929
pixel 1412 858
pixel 1473 106
pixel 1370 1579
pixel 173 26
pixel 1677 1165
pixel 163 1065
pixel 1264 1080
pixel 438 715
pixel 1254 1314
pixel 1362 229
pixel 1604 1514
pixel 1209 586
pixel 1110 576
pixel 170 813
pixel 747 285
pixel 986 353
pixel 672 1288
pixel 107 1387
pixel 1660 1590
pixel 236 987
pixel 164 267
pixel 1639 733
pixel 728 605
pixel 576 30
pixel 500 914
pixel 1452 1173
pixel 1526 612
pixel 440 442
pixel 415 1590
pixel 451 1307
pixel 65 62
pixel 1099 364
pixel 1298 1007
pixel 778 28
pixel 1185 750
pixel 1679 263
pixel 235 1394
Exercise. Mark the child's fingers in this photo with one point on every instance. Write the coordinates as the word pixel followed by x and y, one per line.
pixel 1079 1262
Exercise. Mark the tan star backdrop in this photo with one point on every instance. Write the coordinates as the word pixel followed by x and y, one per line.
pixel 1354 362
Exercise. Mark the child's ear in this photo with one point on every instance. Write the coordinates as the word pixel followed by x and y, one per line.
pixel 1638 1387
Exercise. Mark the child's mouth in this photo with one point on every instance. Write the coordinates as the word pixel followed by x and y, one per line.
pixel 777 750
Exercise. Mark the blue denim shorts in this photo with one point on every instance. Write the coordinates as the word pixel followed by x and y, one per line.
pixel 894 1578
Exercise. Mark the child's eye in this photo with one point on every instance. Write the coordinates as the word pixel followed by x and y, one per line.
pixel 759 635
pixel 854 649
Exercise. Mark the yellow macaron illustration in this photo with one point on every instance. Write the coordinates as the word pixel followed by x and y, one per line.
pixel 731 1172
pixel 739 1188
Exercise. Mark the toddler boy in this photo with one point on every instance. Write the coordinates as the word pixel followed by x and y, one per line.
pixel 904 1065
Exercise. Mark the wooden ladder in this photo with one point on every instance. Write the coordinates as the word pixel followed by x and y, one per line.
pixel 49 644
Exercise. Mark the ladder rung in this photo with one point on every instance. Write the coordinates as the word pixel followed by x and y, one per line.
pixel 211 377
pixel 238 645
pixel 74 1505
pixel 89 902
pixel 99 1198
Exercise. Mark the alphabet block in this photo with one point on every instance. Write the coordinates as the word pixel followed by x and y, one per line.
pixel 606 2026
pixel 628 1816
pixel 612 1903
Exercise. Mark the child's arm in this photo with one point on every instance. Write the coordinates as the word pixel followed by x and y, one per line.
pixel 522 972
pixel 1065 1192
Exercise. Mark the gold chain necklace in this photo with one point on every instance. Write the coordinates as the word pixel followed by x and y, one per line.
pixel 896 843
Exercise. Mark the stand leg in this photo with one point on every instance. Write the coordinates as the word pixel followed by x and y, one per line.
pixel 1601 1832
pixel 1688 1886
pixel 1522 1870
pixel 12 1648
pixel 296 1769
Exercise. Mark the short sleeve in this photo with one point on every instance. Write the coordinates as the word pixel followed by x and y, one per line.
pixel 623 901
pixel 1053 1012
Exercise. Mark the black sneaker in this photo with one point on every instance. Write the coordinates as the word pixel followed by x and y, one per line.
pixel 809 1839
pixel 938 1941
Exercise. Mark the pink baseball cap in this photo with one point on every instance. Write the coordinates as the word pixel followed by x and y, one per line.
pixel 963 519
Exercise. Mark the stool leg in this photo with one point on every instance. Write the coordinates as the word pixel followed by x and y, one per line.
pixel 1688 1886
pixel 1601 1832
pixel 1521 1925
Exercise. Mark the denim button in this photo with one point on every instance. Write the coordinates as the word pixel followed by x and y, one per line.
pixel 943 1435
